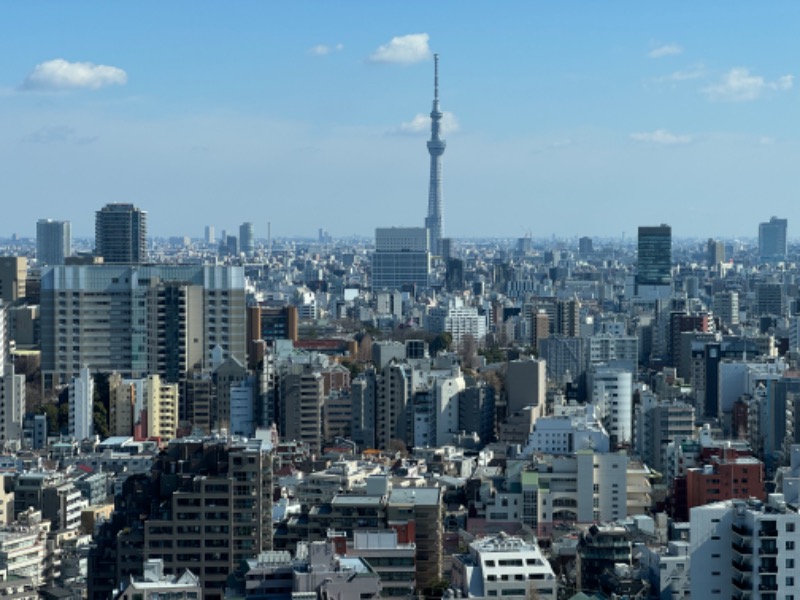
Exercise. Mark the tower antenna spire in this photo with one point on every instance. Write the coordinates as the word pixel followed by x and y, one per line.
pixel 436 78
pixel 436 146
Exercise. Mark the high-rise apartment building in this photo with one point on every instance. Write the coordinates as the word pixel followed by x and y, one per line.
pixel 246 243
pixel 402 258
pixel 81 395
pixel 612 393
pixel 301 399
pixel 744 549
pixel 772 239
pixel 217 513
pixel 654 268
pixel 120 234
pixel 210 239
pixel 434 222
pixel 53 241
pixel 139 320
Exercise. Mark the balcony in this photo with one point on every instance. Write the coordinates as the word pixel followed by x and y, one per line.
pixel 741 529
pixel 742 584
pixel 741 565
pixel 742 548
pixel 772 586
pixel 768 533
pixel 768 550
pixel 768 568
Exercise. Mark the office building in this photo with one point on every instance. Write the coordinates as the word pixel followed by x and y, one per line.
pixel 246 241
pixel 120 234
pixel 772 239
pixel 139 320
pixel 769 299
pixel 715 253
pixel 210 239
pixel 585 247
pixel 402 258
pixel 265 325
pixel 526 383
pixel 434 222
pixel 503 566
pixel 654 262
pixel 13 278
pixel 53 241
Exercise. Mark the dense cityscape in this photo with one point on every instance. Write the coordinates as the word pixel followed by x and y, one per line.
pixel 230 415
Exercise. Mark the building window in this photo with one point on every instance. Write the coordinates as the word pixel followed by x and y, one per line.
pixel 790 545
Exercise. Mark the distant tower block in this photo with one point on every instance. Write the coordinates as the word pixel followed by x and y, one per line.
pixel 246 238
pixel 120 234
pixel 436 145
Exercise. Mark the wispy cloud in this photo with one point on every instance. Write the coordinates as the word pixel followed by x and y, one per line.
pixel 693 72
pixel 324 50
pixel 665 50
pixel 59 75
pixel 422 123
pixel 740 85
pixel 58 134
pixel 403 50
pixel 661 136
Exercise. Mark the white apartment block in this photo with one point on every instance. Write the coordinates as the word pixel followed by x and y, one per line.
pixel 612 392
pixel 458 321
pixel 606 348
pixel 667 569
pixel 503 567
pixel 81 400
pixel 745 550
pixel 568 434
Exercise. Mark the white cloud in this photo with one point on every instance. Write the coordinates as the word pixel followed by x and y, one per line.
pixel 403 50
pixel 661 136
pixel 59 74
pixel 740 85
pixel 324 50
pixel 422 123
pixel 783 83
pixel 665 50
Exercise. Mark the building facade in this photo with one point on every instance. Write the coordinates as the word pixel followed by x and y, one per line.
pixel 53 241
pixel 120 234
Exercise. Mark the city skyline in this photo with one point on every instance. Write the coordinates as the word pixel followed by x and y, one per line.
pixel 599 119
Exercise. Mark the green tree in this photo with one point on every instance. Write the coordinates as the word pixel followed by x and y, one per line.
pixel 441 342
pixel 101 405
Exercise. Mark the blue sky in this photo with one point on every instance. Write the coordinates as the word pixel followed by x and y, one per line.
pixel 569 118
